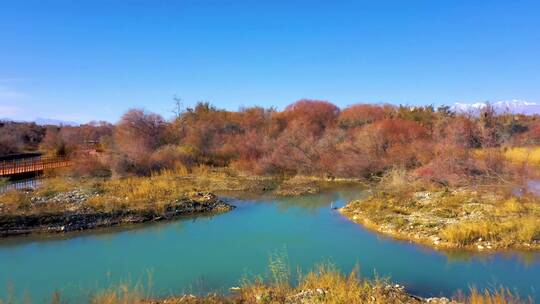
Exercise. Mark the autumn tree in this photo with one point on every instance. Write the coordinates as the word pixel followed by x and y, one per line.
pixel 360 114
pixel 313 116
pixel 136 136
pixel 18 137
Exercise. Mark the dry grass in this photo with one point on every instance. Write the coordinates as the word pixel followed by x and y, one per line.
pixel 529 155
pixel 19 202
pixel 327 285
pixel 523 230
pixel 134 192
pixel 399 182
pixel 498 296
pixel 122 294
pixel 138 192
pixel 324 285
pixel 13 201
pixel 460 218
pixel 55 185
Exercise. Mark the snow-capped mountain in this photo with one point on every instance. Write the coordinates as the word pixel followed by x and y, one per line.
pixel 505 106
pixel 45 121
pixel 55 122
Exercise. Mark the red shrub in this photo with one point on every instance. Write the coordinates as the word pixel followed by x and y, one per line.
pixel 313 115
pixel 361 114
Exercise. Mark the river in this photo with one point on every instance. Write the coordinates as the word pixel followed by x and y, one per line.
pixel 213 253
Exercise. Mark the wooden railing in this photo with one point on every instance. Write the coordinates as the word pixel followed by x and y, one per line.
pixel 29 165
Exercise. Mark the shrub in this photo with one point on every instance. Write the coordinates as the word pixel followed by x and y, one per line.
pixel 399 182
pixel 528 229
pixel 360 114
pixel 171 157
pixel 89 165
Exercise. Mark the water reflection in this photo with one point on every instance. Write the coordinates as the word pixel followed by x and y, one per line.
pixel 533 186
pixel 27 183
pixel 110 233
pixel 523 258
pixel 329 198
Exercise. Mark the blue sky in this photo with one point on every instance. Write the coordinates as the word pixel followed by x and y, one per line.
pixel 86 60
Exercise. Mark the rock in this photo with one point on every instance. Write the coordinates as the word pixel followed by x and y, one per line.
pixel 438 300
pixel 480 247
pixel 307 296
pixel 436 240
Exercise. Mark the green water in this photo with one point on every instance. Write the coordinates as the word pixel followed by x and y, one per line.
pixel 205 254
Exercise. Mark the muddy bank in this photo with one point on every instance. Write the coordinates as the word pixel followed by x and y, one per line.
pixel 85 218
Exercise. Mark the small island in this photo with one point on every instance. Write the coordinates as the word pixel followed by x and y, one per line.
pixel 450 219
pixel 60 207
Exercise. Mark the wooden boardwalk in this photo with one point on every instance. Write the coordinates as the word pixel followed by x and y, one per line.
pixel 30 165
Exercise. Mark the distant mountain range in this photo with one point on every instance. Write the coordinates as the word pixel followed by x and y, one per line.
pixel 46 121
pixel 56 122
pixel 507 106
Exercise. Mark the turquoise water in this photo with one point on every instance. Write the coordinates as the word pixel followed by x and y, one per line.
pixel 206 254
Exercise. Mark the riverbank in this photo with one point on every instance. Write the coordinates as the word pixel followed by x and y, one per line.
pixel 367 293
pixel 460 218
pixel 66 204
pixel 326 285
pixel 81 215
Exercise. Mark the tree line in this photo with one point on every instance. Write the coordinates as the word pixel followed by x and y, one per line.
pixel 308 137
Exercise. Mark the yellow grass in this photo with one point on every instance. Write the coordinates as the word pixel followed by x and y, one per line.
pixel 324 285
pixel 498 296
pixel 135 192
pixel 120 295
pixel 529 155
pixel 461 218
